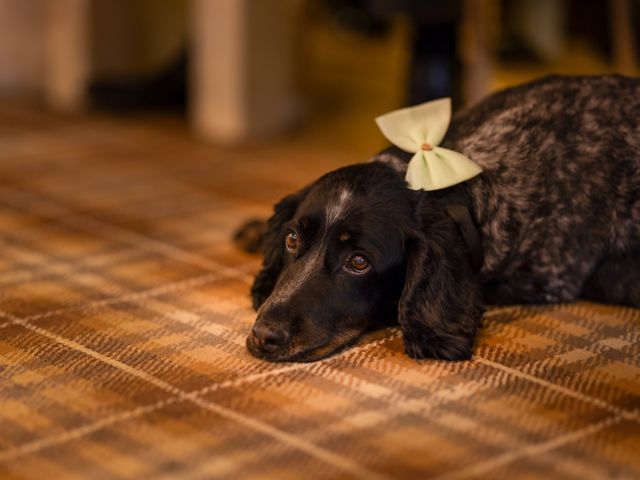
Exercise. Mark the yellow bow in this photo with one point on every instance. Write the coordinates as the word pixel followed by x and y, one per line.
pixel 420 130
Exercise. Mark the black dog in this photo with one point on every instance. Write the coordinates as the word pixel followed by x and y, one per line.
pixel 556 212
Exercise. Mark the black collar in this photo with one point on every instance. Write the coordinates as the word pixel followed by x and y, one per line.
pixel 461 216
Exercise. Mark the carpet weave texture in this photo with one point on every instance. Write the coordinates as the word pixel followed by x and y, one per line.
pixel 124 309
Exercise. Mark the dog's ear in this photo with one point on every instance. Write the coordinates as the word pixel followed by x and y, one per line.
pixel 273 247
pixel 441 305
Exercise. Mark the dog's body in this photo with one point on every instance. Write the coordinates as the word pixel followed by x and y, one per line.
pixel 557 207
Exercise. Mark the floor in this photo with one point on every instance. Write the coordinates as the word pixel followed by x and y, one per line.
pixel 124 307
pixel 123 312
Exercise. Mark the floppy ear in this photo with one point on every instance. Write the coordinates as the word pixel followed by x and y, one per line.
pixel 273 247
pixel 441 305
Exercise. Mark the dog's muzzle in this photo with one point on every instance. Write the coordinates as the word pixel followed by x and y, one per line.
pixel 268 337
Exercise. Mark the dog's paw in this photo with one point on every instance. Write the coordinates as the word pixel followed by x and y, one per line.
pixel 440 347
pixel 249 237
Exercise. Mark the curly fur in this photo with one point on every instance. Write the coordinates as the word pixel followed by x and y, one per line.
pixel 557 205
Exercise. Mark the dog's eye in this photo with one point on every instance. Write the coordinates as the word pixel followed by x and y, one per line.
pixel 359 263
pixel 291 242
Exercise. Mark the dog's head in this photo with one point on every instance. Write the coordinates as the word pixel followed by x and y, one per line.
pixel 355 250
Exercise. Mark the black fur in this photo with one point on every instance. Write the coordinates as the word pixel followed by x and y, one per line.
pixel 272 247
pixel 441 303
pixel 557 205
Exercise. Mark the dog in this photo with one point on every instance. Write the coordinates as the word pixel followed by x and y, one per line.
pixel 553 217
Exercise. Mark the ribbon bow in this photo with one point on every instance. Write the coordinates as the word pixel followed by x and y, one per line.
pixel 420 130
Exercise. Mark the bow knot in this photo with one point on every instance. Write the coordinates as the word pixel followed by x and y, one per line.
pixel 420 130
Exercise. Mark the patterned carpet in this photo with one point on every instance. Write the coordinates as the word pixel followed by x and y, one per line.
pixel 124 308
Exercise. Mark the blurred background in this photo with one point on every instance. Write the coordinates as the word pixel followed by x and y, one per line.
pixel 295 79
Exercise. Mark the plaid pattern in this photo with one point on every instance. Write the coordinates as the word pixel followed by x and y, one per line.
pixel 124 309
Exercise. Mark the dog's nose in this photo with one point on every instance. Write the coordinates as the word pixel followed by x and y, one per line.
pixel 268 337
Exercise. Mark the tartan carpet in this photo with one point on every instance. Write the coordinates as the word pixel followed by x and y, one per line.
pixel 124 308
